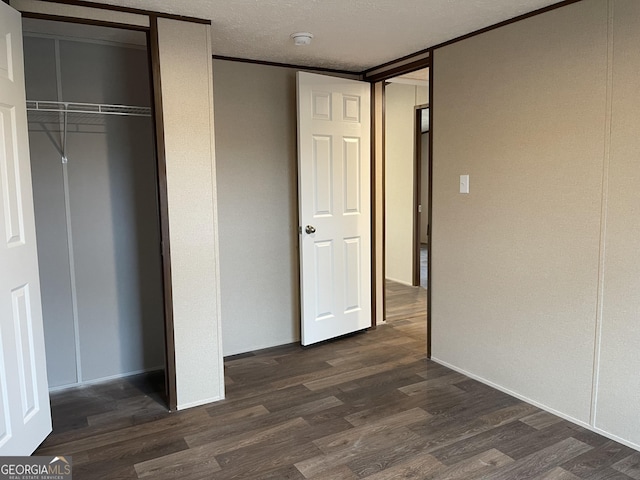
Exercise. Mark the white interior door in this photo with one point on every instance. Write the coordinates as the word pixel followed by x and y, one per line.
pixel 335 206
pixel 25 419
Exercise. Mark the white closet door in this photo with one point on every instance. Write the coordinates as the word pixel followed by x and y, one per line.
pixel 25 418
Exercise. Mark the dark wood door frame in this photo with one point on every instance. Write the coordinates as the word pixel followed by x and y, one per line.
pixel 417 192
pixel 161 181
pixel 380 79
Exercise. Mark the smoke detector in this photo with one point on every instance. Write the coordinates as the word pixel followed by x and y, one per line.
pixel 302 39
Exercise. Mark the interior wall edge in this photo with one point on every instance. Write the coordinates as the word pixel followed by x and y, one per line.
pixel 216 220
pixel 184 56
pixel 163 207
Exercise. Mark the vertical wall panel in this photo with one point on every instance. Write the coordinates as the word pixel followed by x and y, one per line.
pixel 257 166
pixel 51 222
pixel 515 262
pixel 618 395
pixel 185 60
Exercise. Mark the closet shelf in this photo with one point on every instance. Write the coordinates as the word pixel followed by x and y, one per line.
pixel 87 108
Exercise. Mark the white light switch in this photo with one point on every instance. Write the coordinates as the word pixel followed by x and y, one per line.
pixel 464 183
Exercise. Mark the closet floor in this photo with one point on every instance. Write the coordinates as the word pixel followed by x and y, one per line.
pixel 366 406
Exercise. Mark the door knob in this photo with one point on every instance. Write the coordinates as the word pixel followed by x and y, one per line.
pixel 310 229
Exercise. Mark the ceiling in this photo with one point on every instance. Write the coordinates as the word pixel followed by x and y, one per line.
pixel 351 35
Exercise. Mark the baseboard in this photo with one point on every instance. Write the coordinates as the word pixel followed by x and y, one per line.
pixel 199 403
pixel 104 379
pixel 401 282
pixel 535 403
pixel 260 347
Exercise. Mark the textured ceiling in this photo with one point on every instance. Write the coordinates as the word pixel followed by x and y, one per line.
pixel 348 34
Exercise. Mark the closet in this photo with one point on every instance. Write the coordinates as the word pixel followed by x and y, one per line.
pixel 96 203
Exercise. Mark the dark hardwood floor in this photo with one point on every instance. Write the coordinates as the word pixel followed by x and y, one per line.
pixel 365 406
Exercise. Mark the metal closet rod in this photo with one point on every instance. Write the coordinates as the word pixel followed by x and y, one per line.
pixel 96 108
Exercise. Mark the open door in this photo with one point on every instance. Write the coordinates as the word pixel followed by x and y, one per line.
pixel 334 171
pixel 25 416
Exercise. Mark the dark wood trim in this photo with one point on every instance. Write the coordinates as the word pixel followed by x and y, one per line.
pixel 286 65
pixel 84 21
pixel 372 202
pixel 383 189
pixel 417 192
pixel 135 11
pixel 163 204
pixel 430 206
pixel 506 22
pixel 397 71
pixel 367 72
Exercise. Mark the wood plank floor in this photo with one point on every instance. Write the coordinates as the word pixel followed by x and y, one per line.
pixel 365 406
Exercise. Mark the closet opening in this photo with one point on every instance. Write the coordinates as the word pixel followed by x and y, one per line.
pixel 96 200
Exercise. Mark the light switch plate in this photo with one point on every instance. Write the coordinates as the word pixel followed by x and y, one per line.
pixel 464 183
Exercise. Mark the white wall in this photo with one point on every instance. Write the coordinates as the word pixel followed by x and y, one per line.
pixel 400 102
pixel 535 272
pixel 255 114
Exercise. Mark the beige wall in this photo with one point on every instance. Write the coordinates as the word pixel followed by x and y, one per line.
pixel 618 381
pixel 257 160
pixel 185 60
pixel 518 295
pixel 400 102
pixel 255 114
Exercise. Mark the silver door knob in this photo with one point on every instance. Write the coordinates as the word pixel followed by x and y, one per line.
pixel 310 229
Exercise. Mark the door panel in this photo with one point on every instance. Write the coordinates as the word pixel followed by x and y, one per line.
pixel 24 395
pixel 334 201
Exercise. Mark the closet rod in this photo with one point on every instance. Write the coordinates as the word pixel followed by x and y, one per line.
pixel 95 108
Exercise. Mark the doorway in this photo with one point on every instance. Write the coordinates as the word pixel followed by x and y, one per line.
pixel 95 184
pixel 406 195
pixel 421 203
